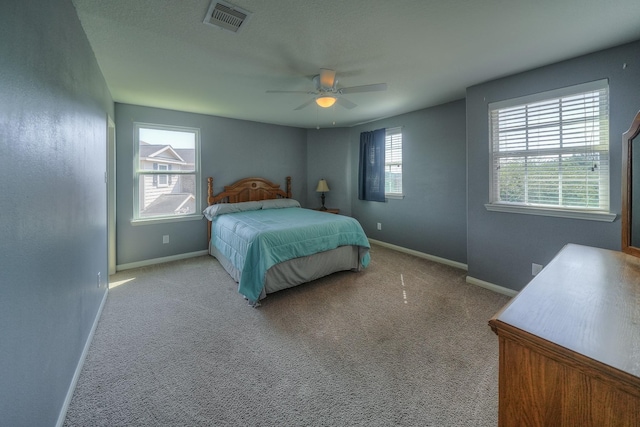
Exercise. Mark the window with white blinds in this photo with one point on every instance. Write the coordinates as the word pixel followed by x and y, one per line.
pixel 551 150
pixel 393 161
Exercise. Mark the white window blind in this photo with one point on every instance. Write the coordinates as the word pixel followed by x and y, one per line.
pixel 552 149
pixel 393 161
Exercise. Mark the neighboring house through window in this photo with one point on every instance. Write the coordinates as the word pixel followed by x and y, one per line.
pixel 161 149
pixel 393 162
pixel 550 153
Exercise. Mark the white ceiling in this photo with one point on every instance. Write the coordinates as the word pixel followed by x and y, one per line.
pixel 159 53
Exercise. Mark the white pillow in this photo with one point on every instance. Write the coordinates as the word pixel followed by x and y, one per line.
pixel 224 208
pixel 280 203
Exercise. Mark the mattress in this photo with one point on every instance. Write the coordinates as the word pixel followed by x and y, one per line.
pixel 302 244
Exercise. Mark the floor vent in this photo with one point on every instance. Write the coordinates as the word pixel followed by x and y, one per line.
pixel 226 16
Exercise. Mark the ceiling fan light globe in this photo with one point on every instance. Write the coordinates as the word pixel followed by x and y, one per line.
pixel 325 101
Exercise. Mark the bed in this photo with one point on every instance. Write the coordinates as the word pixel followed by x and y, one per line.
pixel 267 242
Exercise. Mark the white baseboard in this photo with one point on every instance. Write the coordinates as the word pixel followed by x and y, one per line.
pixel 421 254
pixel 153 261
pixel 495 288
pixel 83 357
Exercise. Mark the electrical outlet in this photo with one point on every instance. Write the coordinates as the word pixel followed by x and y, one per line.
pixel 535 269
pixel 165 238
pixel 379 226
pixel 99 280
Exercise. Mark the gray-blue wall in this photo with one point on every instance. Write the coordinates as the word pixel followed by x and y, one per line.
pixel 53 235
pixel 230 150
pixel 432 216
pixel 430 219
pixel 329 157
pixel 502 246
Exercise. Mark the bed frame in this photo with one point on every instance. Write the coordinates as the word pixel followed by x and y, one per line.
pixel 246 190
pixel 294 271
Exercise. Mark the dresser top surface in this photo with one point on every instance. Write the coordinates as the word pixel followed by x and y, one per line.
pixel 586 300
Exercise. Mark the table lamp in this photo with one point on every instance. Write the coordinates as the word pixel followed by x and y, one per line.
pixel 322 188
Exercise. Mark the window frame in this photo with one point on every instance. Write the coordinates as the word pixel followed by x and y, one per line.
pixel 495 204
pixel 389 133
pixel 138 174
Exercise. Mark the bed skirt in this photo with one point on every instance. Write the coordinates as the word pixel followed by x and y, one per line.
pixel 301 270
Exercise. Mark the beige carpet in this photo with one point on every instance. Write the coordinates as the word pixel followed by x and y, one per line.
pixel 403 343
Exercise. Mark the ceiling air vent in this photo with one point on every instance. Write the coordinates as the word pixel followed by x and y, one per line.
pixel 226 16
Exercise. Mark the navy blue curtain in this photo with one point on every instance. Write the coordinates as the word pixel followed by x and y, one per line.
pixel 371 172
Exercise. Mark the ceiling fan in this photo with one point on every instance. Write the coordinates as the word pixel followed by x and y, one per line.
pixel 327 93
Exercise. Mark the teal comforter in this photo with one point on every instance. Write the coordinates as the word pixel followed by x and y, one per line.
pixel 256 240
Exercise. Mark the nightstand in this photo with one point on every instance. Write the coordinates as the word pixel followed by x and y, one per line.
pixel 328 210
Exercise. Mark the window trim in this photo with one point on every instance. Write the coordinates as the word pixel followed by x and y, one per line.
pixel 197 215
pixel 398 196
pixel 388 132
pixel 525 208
pixel 166 219
pixel 558 213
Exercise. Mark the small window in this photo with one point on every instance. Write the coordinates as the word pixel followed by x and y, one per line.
pixel 551 150
pixel 393 162
pixel 160 149
pixel 163 180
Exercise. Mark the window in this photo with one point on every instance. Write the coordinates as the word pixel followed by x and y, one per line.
pixel 393 162
pixel 162 180
pixel 159 150
pixel 550 151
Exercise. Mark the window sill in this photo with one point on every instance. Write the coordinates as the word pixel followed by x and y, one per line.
pixel 394 196
pixel 559 213
pixel 165 219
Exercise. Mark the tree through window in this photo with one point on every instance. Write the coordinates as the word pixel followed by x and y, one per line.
pixel 551 150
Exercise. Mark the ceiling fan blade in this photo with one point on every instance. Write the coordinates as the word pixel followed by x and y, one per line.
pixel 327 78
pixel 290 91
pixel 306 104
pixel 364 88
pixel 346 103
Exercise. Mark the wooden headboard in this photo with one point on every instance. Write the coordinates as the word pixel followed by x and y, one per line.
pixel 246 190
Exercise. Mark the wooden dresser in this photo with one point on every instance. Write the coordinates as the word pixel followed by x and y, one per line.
pixel 570 343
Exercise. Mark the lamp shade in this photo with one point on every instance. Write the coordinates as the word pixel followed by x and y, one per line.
pixel 325 101
pixel 322 186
